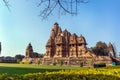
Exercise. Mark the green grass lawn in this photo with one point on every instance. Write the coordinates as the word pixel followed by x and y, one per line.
pixel 12 69
pixel 30 68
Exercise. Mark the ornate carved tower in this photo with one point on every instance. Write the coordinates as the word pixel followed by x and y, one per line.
pixel 73 46
pixel 60 46
pixel 81 46
pixel 50 48
pixel 67 36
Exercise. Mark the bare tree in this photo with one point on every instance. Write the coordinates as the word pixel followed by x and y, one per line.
pixel 63 6
pixel 47 7
pixel 7 4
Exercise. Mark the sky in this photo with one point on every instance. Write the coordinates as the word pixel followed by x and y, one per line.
pixel 98 20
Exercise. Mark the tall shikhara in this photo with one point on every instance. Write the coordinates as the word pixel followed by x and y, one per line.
pixel 64 44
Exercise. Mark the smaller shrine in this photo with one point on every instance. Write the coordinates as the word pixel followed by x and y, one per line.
pixel 30 55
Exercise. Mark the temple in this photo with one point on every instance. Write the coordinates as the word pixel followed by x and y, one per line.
pixel 69 48
pixel 64 44
pixel 30 55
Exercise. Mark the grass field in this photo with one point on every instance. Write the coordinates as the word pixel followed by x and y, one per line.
pixel 30 68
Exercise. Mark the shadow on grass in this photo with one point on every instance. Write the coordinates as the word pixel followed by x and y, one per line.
pixel 19 70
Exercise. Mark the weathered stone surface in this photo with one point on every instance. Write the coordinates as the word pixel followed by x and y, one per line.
pixel 63 44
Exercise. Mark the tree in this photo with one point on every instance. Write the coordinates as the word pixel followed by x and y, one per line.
pixel 61 62
pixel 63 7
pixel 7 4
pixel 47 7
pixel 19 57
pixel 100 49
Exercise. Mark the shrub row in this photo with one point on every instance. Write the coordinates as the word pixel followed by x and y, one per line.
pixel 85 74
pixel 24 62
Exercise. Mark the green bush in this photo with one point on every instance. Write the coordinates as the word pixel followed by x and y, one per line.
pixel 54 63
pixel 24 62
pixel 21 62
pixel 81 64
pixel 61 62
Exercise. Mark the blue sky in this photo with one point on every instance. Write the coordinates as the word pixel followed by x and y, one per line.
pixel 98 20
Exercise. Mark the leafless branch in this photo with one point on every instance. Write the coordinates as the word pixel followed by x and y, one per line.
pixel 7 4
pixel 68 6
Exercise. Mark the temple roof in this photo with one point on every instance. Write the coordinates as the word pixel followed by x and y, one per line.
pixel 88 54
pixel 29 47
pixel 81 40
pixel 73 39
pixel 56 23
pixel 74 36
pixel 59 30
pixel 55 30
pixel 66 33
pixel 60 39
pixel 50 42
pixel 56 26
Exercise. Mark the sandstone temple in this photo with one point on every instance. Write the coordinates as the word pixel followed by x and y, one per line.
pixel 64 44
pixel 69 48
